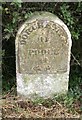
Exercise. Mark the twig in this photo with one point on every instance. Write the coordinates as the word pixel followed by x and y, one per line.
pixel 59 104
pixel 76 59
pixel 7 95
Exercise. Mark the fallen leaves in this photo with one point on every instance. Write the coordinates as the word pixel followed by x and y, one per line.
pixel 18 108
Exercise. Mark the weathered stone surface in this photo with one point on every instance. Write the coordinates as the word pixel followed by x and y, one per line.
pixel 43 46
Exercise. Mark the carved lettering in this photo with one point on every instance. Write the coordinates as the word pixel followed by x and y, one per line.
pixel 24 36
pixel 42 52
pixel 40 24
pixel 44 43
pixel 23 42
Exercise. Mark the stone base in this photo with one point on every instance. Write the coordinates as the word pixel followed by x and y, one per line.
pixel 41 85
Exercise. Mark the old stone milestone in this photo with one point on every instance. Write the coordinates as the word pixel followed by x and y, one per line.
pixel 43 46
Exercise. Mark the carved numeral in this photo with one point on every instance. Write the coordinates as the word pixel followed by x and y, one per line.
pixel 43 39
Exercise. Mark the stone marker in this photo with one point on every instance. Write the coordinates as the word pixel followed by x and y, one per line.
pixel 43 46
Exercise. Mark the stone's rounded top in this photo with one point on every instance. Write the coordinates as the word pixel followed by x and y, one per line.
pixel 46 16
pixel 42 15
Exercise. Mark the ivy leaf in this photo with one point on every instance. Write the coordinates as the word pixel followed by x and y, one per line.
pixel 7 36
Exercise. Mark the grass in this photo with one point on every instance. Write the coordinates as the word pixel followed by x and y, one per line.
pixel 63 106
pixel 14 106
